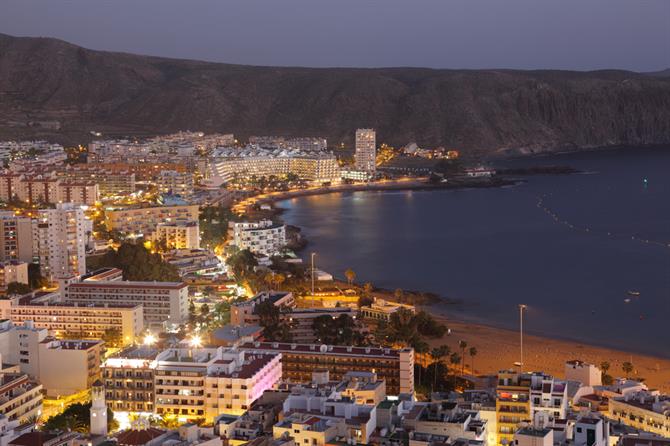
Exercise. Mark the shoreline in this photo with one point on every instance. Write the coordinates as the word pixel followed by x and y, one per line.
pixel 498 349
pixel 419 183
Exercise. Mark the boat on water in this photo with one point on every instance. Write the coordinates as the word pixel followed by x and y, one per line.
pixel 627 300
pixel 633 293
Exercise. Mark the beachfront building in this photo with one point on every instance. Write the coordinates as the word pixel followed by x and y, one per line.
pixel 646 410
pixel 382 310
pixel 262 237
pixel 144 220
pixel 520 396
pixel 163 302
pixel 178 234
pixel 587 374
pixel 366 150
pixel 189 383
pixel 299 361
pixel 59 241
pixel 228 164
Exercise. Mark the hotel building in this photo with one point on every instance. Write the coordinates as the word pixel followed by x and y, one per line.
pixel 59 241
pixel 244 313
pixel 519 396
pixel 82 321
pixel 144 220
pixel 263 237
pixel 179 234
pixel 162 302
pixel 644 410
pixel 396 367
pixel 189 383
pixel 365 156
pixel 228 164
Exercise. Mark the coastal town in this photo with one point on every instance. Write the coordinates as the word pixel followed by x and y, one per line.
pixel 152 294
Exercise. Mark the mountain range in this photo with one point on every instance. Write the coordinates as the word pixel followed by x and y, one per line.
pixel 56 90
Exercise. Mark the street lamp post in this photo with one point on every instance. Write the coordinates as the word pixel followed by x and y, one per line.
pixel 521 308
pixel 313 299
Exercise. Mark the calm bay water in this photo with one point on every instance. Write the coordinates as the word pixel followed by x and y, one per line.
pixel 569 246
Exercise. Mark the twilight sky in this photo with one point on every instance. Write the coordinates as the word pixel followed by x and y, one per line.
pixel 528 34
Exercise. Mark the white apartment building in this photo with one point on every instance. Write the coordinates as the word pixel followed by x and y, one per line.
pixel 263 237
pixel 60 366
pixel 13 271
pixel 179 234
pixel 190 383
pixel 16 237
pixel 173 182
pixel 20 397
pixel 59 241
pixel 163 302
pixel 365 156
pixel 143 220
pixel 587 374
pixel 68 366
pixel 228 164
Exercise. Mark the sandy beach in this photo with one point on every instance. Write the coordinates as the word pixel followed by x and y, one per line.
pixel 499 349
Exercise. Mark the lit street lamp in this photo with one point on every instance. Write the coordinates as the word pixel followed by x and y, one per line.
pixel 522 307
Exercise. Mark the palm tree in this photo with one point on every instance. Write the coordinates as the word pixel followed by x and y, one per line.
pixel 438 353
pixel 269 279
pixel 473 353
pixel 627 368
pixel 463 345
pixel 278 280
pixel 455 358
pixel 399 294
pixel 350 275
pixel 367 288
pixel 604 367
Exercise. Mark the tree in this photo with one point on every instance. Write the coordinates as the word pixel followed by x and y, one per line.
pixel 350 275
pixel 368 288
pixel 473 353
pixel 462 345
pixel 242 263
pixel 402 328
pixel 627 368
pixel 272 318
pixel 77 417
pixel 204 310
pixel 278 280
pixel 337 331
pixel 18 288
pixel 399 295
pixel 364 301
pixel 605 377
pixel 428 326
pixel 35 278
pixel 455 358
pixel 137 263
pixel 113 337
pixel 437 354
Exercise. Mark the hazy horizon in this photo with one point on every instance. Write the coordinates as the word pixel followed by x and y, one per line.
pixel 457 34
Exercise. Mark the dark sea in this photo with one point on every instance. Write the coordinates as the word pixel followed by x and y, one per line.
pixel 571 247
